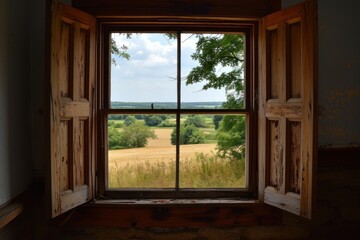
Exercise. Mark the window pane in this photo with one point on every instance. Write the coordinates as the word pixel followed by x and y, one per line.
pixel 140 151
pixel 212 71
pixel 143 70
pixel 212 151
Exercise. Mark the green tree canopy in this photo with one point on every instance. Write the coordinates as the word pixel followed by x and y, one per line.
pixel 214 52
pixel 195 120
pixel 188 135
pixel 129 120
pixel 135 135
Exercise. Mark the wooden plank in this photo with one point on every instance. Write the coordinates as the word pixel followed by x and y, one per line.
pixel 284 15
pixel 273 58
pixel 65 134
pixel 289 202
pixel 276 167
pixel 175 215
pixel 294 156
pixel 65 59
pixel 9 212
pixel 309 122
pixel 290 110
pixel 71 199
pixel 208 8
pixel 293 107
pixel 293 58
pixel 72 108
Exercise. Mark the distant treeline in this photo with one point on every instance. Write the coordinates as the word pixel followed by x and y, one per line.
pixel 165 105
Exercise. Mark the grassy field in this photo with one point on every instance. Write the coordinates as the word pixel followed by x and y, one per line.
pixel 154 166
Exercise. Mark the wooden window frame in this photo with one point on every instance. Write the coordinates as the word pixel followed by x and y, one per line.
pixel 249 28
pixel 93 175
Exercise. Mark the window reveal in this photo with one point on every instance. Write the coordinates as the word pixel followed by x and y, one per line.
pixel 178 113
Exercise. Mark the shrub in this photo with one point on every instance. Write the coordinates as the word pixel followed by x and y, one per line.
pixel 133 136
pixel 188 135
pixel 152 121
pixel 129 120
pixel 195 120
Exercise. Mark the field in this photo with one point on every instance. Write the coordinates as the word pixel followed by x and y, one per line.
pixel 154 166
pixel 157 150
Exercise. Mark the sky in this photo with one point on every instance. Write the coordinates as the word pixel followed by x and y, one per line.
pixel 150 73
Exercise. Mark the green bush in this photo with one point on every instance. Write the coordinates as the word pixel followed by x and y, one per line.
pixel 195 120
pixel 135 135
pixel 188 135
pixel 129 120
pixel 152 121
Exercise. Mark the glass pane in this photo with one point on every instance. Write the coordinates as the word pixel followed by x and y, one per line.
pixel 143 70
pixel 212 71
pixel 212 151
pixel 141 154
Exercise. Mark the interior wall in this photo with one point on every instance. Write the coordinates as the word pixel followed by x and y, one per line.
pixel 15 149
pixel 39 90
pixel 339 73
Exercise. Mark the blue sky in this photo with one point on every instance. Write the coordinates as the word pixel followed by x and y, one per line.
pixel 150 73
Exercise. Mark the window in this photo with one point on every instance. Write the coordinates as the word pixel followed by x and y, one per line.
pixel 275 106
pixel 177 107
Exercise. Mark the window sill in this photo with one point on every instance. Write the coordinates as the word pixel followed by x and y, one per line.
pixel 175 202
pixel 190 213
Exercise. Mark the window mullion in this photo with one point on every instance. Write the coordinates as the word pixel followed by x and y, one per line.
pixel 178 80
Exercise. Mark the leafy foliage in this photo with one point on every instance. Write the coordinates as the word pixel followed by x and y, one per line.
pixel 152 120
pixel 120 51
pixel 231 137
pixel 129 120
pixel 135 135
pixel 214 52
pixel 223 51
pixel 188 135
pixel 216 121
pixel 195 120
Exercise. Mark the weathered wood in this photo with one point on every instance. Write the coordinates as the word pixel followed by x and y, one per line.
pixel 289 202
pixel 71 199
pixel 72 84
pixel 284 109
pixel 294 65
pixel 287 80
pixel 276 166
pixel 9 212
pixel 175 215
pixel 70 108
pixel 294 156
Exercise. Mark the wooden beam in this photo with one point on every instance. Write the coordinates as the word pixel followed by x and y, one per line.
pixel 9 212
pixel 208 8
pixel 174 215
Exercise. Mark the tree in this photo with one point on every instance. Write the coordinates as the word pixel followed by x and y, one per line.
pixel 231 137
pixel 216 121
pixel 129 120
pixel 114 137
pixel 188 135
pixel 152 120
pixel 214 52
pixel 195 120
pixel 135 135
pixel 219 50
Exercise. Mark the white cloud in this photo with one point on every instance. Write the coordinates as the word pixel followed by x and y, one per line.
pixel 149 73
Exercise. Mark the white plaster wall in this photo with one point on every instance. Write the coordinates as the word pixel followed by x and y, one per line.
pixel 15 150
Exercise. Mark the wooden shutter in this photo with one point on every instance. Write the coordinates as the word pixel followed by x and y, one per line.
pixel 72 102
pixel 286 108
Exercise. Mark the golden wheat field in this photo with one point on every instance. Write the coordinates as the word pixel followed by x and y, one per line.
pixel 157 150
